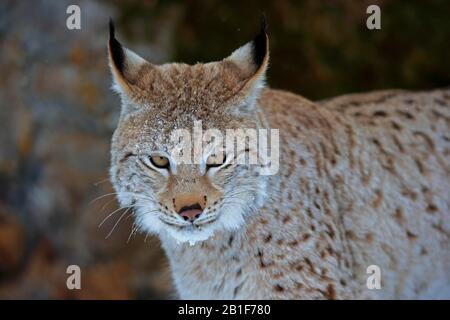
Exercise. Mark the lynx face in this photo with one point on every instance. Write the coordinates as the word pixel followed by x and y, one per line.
pixel 188 201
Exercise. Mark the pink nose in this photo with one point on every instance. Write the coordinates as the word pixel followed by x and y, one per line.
pixel 190 213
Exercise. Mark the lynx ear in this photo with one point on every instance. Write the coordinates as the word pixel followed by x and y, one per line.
pixel 252 60
pixel 124 64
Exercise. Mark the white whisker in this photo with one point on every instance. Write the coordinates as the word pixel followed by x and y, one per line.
pixel 111 214
pixel 134 228
pixel 101 181
pixel 117 223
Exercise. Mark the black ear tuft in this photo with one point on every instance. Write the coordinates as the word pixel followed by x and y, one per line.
pixel 260 43
pixel 111 29
pixel 115 48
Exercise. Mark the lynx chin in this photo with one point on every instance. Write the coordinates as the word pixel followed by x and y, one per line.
pixel 363 180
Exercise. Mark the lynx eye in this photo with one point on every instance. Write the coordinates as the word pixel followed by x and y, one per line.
pixel 216 160
pixel 159 161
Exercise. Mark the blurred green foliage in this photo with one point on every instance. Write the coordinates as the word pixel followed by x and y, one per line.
pixel 319 48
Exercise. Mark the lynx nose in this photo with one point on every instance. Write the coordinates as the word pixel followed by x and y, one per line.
pixel 189 206
pixel 190 213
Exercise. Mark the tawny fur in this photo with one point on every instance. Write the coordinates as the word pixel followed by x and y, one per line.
pixel 364 180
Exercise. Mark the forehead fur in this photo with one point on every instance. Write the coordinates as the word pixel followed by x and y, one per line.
pixel 177 85
pixel 174 96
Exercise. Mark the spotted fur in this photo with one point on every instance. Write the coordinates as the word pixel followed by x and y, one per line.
pixel 364 180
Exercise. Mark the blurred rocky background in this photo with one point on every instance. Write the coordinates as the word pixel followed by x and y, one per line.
pixel 57 114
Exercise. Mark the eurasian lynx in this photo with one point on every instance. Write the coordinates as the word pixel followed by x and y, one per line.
pixel 363 180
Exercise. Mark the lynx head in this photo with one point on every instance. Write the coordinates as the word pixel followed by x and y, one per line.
pixel 187 200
